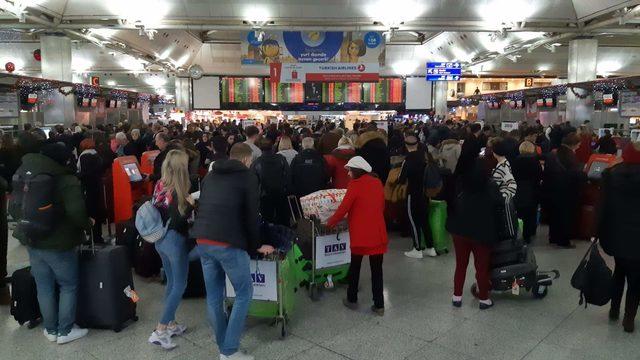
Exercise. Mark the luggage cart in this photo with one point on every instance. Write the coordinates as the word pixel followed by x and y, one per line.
pixel 319 275
pixel 276 306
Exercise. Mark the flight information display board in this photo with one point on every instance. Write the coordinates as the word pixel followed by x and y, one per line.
pixel 282 93
pixel 241 90
pixel 341 92
pixel 387 90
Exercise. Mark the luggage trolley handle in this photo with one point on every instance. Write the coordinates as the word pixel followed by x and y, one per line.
pixel 93 244
pixel 294 207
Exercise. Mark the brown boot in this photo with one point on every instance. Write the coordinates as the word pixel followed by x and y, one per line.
pixel 5 296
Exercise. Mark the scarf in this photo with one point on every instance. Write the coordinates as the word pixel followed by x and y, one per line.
pixel 88 151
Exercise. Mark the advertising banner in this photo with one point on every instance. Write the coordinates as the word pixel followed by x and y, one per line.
pixel 324 72
pixel 323 56
pixel 265 281
pixel 332 250
pixel 268 47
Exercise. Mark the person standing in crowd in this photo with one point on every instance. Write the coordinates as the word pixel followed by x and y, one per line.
pixel 473 224
pixel 274 175
pixel 364 204
pixel 125 147
pixel 171 197
pixel 90 172
pixel 285 148
pixel 308 170
pixel 502 174
pixel 619 232
pixel 417 203
pixel 337 160
pixel 372 146
pixel 226 229
pixel 562 183
pixel 450 153
pixel 137 143
pixel 219 150
pixel 584 150
pixel 606 144
pixel 527 172
pixel 253 134
pixel 204 148
pixel 5 296
pixel 54 258
pixel 329 140
pixel 470 151
pixel 163 143
pixel 9 157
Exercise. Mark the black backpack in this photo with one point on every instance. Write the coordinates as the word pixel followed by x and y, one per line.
pixel 272 174
pixel 593 278
pixel 32 204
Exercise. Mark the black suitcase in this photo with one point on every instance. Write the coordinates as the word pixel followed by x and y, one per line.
pixel 147 261
pixel 502 278
pixel 24 298
pixel 508 252
pixel 195 281
pixel 105 273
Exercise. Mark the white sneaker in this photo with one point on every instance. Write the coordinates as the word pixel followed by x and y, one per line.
pixel 416 254
pixel 431 252
pixel 162 339
pixel 176 329
pixel 50 337
pixel 75 334
pixel 237 356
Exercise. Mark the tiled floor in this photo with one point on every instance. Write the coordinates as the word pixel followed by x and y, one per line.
pixel 419 323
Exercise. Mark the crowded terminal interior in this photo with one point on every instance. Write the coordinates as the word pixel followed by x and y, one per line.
pixel 355 180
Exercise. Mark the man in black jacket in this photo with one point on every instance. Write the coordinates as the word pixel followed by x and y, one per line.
pixel 226 229
pixel 308 170
pixel 619 231
pixel 163 142
pixel 470 151
pixel 274 176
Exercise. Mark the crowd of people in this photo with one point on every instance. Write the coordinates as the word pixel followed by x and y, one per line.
pixel 489 179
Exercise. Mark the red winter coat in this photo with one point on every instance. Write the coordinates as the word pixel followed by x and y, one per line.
pixel 364 202
pixel 335 167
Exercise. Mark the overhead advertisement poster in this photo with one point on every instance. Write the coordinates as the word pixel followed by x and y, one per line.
pixel 301 56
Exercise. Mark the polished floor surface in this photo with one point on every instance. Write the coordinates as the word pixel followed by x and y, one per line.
pixel 419 322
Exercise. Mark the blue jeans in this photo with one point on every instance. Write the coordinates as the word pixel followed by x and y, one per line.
pixel 175 261
pixel 216 262
pixel 52 268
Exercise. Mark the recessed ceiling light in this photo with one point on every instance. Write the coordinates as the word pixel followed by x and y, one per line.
pixel 556 44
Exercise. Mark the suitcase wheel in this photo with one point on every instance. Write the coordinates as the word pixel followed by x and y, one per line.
pixel 540 291
pixel 117 328
pixel 135 318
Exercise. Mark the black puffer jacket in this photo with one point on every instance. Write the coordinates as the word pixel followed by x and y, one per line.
pixel 475 214
pixel 619 228
pixel 528 174
pixel 228 206
pixel 309 174
pixel 372 146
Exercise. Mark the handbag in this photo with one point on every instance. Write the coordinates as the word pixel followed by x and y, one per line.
pixel 593 278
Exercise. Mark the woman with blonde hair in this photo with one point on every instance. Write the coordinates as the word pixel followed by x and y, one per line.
pixel 285 148
pixel 528 174
pixel 171 198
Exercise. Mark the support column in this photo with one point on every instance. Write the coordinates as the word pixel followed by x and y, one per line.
pixel 583 59
pixel 440 98
pixel 183 93
pixel 56 65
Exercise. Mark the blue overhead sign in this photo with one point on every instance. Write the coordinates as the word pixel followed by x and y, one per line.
pixel 444 71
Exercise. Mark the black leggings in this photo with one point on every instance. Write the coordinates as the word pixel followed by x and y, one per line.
pixel 628 270
pixel 417 211
pixel 375 261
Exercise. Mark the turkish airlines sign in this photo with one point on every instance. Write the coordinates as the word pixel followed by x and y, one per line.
pixel 324 72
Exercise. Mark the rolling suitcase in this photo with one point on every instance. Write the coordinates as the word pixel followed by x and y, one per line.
pixel 105 290
pixel 127 236
pixel 437 221
pixel 24 298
